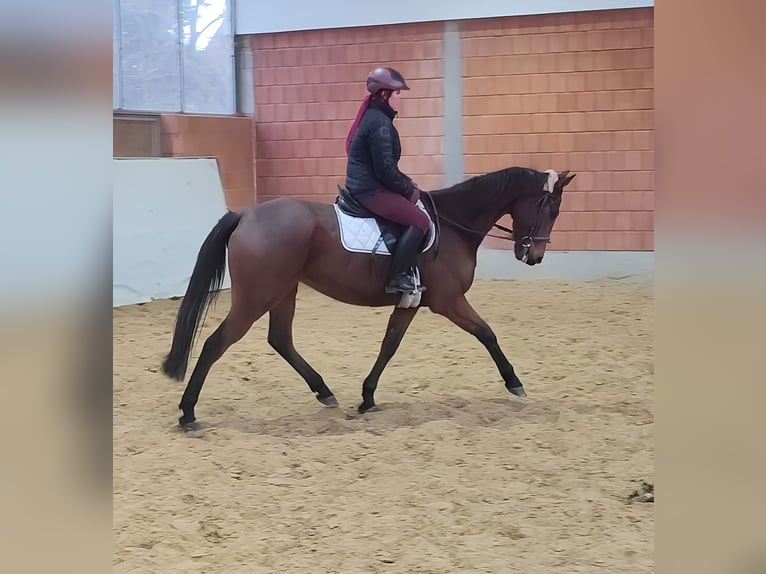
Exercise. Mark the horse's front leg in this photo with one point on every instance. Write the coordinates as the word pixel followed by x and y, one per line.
pixel 464 316
pixel 397 326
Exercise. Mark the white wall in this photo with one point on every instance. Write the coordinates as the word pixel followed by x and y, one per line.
pixel 163 209
pixel 501 264
pixel 255 17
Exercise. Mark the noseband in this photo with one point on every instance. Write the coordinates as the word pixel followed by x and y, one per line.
pixel 528 240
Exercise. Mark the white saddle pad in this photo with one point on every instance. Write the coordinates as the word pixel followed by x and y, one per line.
pixel 362 234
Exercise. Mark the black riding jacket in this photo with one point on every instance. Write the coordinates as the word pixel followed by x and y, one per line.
pixel 374 153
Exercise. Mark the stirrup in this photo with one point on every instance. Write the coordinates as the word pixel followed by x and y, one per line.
pixel 401 283
pixel 412 298
pixel 405 283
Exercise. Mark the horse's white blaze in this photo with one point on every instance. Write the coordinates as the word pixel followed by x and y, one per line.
pixel 553 177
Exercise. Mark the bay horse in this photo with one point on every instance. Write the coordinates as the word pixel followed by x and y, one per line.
pixel 276 245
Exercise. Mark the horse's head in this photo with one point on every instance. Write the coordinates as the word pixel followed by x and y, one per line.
pixel 534 214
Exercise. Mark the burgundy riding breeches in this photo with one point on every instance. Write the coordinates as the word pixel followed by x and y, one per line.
pixel 394 207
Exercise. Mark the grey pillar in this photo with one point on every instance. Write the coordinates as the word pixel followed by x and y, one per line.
pixel 454 169
pixel 243 56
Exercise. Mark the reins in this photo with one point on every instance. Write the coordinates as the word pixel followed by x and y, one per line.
pixel 526 240
pixel 479 233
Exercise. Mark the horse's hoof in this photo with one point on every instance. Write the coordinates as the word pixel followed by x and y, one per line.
pixel 518 391
pixel 188 424
pixel 364 408
pixel 330 401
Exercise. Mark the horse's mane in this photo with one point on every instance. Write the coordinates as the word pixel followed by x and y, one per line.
pixel 476 195
pixel 494 180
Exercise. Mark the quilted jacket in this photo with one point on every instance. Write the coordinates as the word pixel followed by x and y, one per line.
pixel 374 154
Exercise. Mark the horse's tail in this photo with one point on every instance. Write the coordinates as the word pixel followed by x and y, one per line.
pixel 204 286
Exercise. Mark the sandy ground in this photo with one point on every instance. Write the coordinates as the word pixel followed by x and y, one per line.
pixel 453 475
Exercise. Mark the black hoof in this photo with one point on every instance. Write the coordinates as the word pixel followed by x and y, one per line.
pixel 368 408
pixel 186 420
pixel 188 425
pixel 518 391
pixel 330 401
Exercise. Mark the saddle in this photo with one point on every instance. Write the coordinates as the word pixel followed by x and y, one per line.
pixel 390 232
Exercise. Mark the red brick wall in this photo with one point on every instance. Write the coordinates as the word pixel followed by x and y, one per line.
pixel 228 138
pixel 568 91
pixel 308 87
pixel 135 135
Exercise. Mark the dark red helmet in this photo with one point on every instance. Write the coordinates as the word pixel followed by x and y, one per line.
pixel 385 79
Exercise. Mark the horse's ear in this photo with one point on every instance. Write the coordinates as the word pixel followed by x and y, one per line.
pixel 564 179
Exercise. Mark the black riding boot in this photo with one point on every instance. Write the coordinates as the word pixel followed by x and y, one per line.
pixel 403 261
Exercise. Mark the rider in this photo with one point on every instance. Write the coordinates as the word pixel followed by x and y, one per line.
pixel 373 176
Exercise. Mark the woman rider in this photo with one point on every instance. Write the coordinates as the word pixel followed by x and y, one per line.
pixel 373 176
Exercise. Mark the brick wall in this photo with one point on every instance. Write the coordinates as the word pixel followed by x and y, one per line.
pixel 308 87
pixel 568 91
pixel 135 135
pixel 228 138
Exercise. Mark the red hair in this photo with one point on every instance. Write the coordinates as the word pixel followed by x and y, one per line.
pixel 382 94
pixel 357 119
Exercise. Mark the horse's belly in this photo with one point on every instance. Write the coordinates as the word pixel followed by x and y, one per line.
pixel 354 290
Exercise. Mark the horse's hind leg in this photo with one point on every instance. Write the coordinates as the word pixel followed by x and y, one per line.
pixel 231 330
pixel 281 339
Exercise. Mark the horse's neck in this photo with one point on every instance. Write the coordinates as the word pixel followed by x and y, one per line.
pixel 477 208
